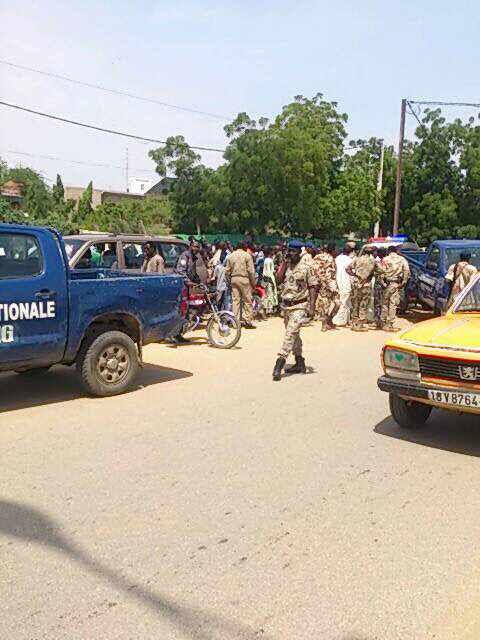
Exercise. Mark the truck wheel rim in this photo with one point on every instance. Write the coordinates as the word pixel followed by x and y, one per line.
pixel 113 364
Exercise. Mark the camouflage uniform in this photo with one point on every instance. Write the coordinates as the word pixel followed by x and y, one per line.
pixel 362 269
pixel 459 275
pixel 295 302
pixel 325 271
pixel 396 274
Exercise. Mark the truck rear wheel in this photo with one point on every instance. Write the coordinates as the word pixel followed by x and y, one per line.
pixel 409 415
pixel 108 365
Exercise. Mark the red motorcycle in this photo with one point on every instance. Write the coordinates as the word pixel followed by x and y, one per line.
pixel 223 329
pixel 258 301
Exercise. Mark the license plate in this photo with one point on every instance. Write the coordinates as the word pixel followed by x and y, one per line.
pixel 455 399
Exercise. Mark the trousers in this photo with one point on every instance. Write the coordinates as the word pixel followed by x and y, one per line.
pixel 343 314
pixel 390 302
pixel 293 320
pixel 242 299
pixel 360 300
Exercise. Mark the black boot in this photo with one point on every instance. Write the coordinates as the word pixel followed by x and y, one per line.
pixel 277 372
pixel 298 367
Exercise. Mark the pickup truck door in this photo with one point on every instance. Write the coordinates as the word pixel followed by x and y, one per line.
pixel 427 280
pixel 33 298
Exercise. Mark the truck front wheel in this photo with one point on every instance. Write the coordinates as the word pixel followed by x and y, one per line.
pixel 109 364
pixel 409 415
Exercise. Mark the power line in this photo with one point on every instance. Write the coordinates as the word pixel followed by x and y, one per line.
pixel 412 112
pixel 445 104
pixel 114 91
pixel 82 162
pixel 96 128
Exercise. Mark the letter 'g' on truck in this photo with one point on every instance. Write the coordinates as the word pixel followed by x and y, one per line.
pixel 98 319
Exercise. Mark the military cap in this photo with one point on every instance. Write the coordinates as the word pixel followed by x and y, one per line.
pixel 295 244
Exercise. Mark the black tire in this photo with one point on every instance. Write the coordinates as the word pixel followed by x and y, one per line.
pixel 32 372
pixel 409 415
pixel 256 304
pixel 102 375
pixel 230 340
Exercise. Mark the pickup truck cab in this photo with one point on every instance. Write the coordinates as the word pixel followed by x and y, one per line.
pixel 428 270
pixel 95 318
pixel 436 363
pixel 120 251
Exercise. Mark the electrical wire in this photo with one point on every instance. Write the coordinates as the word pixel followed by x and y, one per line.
pixel 114 91
pixel 445 104
pixel 82 162
pixel 104 130
pixel 412 112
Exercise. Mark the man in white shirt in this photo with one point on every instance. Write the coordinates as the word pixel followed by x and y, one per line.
pixel 342 261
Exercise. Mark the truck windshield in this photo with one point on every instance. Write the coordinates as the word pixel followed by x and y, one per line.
pixel 471 302
pixel 72 246
pixel 453 255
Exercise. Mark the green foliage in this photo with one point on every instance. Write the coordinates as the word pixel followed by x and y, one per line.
pixel 58 191
pixel 143 216
pixel 85 203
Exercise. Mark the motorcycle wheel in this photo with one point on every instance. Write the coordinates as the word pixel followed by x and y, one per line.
pixel 223 331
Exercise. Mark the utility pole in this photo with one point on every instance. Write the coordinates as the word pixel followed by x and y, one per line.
pixel 398 186
pixel 376 230
pixel 126 169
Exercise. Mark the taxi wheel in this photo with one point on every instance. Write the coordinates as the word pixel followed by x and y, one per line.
pixel 409 415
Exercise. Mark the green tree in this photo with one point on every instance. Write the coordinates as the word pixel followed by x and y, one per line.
pixel 58 191
pixel 37 198
pixel 190 211
pixel 85 203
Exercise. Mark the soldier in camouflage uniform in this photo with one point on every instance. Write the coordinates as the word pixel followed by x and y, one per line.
pixel 325 272
pixel 362 270
pixel 298 303
pixel 396 275
pixel 378 289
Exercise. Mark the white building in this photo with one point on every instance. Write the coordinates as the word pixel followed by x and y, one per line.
pixel 139 186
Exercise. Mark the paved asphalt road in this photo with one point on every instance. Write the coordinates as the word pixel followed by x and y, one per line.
pixel 212 503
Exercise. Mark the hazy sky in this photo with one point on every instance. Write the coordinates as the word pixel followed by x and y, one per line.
pixel 220 57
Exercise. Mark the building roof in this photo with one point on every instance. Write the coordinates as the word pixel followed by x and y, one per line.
pixel 161 186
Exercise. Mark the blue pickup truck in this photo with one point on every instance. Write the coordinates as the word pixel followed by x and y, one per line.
pixel 428 270
pixel 97 319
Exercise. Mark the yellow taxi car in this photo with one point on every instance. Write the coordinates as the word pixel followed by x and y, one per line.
pixel 435 363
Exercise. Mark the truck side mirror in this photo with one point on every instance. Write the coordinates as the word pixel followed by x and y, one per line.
pixel 432 266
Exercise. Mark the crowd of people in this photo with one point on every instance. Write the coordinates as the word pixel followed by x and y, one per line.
pixel 351 288
pixel 353 291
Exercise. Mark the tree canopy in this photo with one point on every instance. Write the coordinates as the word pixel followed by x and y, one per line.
pixel 294 175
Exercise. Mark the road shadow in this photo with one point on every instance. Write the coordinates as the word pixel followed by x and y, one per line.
pixel 30 525
pixel 416 315
pixel 61 384
pixel 443 430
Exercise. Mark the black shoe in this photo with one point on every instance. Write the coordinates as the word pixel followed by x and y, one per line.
pixel 249 326
pixel 298 367
pixel 181 340
pixel 277 372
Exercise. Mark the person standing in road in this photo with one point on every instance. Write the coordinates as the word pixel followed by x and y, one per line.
pixel 342 318
pixel 459 275
pixel 191 266
pixel 298 303
pixel 396 274
pixel 378 289
pixel 362 270
pixel 325 273
pixel 153 262
pixel 240 274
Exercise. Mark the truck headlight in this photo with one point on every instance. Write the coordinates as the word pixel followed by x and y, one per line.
pixel 401 364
